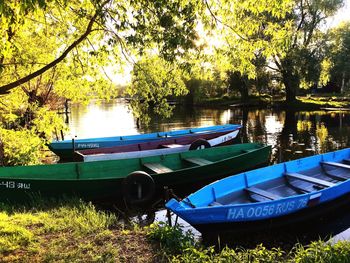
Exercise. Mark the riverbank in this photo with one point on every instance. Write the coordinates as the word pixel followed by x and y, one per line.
pixel 310 102
pixel 74 231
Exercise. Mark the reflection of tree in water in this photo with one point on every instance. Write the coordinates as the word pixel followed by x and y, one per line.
pixel 302 134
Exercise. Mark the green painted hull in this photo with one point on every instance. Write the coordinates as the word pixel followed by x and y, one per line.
pixel 102 180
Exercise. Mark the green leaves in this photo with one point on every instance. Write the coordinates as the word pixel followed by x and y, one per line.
pixel 21 147
pixel 154 80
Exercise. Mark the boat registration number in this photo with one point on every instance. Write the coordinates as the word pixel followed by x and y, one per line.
pixel 266 210
pixel 88 145
pixel 14 185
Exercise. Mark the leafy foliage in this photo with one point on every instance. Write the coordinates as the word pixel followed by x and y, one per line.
pixel 154 81
pixel 21 147
pixel 287 33
pixel 52 51
pixel 338 56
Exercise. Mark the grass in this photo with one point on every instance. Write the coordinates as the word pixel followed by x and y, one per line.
pixel 69 232
pixel 307 102
pixel 183 248
pixel 74 231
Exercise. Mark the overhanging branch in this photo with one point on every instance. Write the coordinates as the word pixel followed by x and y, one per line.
pixel 6 88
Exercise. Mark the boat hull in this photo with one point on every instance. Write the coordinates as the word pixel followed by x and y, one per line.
pixel 102 180
pixel 65 149
pixel 181 144
pixel 264 214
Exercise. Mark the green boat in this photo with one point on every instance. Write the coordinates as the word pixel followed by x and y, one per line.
pixel 134 180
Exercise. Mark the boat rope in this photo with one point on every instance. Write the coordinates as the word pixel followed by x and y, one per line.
pixel 173 195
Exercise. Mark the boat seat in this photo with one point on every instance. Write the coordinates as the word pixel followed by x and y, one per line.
pixel 171 145
pixel 198 161
pixel 337 177
pixel 299 188
pixel 157 168
pixel 310 179
pixel 338 165
pixel 263 193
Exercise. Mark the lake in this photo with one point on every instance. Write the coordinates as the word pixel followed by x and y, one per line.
pixel 292 134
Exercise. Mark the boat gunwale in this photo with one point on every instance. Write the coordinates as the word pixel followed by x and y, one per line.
pixel 186 207
pixel 150 136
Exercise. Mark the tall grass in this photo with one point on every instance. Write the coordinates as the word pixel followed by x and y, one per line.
pixel 69 232
pixel 182 248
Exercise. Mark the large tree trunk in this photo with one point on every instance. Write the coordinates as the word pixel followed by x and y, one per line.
pixel 342 83
pixel 291 83
pixel 239 82
pixel 243 90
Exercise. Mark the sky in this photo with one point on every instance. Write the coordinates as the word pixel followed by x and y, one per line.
pixel 342 15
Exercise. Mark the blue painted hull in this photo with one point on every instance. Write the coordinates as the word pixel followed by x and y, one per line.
pixel 64 148
pixel 197 209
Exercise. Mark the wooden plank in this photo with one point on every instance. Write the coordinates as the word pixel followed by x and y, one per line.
pixel 157 168
pixel 198 161
pixel 263 193
pixel 338 177
pixel 172 145
pixel 338 165
pixel 310 179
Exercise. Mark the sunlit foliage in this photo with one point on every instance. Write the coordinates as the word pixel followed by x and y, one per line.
pixel 154 81
pixel 54 51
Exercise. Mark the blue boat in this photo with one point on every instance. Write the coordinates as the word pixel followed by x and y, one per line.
pixel 278 196
pixel 65 148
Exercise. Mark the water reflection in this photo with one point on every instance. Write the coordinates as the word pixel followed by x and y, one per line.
pixel 292 134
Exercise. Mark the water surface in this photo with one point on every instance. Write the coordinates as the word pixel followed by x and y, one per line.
pixel 292 134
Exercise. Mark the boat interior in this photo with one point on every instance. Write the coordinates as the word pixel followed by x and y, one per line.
pixel 325 175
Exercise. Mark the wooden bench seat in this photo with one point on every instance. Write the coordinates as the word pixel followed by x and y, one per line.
pixel 157 168
pixel 198 161
pixel 338 177
pixel 172 145
pixel 310 179
pixel 263 193
pixel 338 165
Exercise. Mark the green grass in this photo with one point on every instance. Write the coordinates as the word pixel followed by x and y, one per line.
pixel 181 247
pixel 326 101
pixel 74 231
pixel 303 102
pixel 69 232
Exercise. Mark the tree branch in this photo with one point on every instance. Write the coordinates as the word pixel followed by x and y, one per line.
pixel 6 88
pixel 217 20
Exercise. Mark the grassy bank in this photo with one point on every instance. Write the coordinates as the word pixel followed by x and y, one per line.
pixel 78 232
pixel 264 100
pixel 73 232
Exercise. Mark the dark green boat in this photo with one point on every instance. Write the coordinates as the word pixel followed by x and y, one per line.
pixel 135 180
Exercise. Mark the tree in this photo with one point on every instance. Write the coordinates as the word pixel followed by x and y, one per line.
pixel 337 64
pixel 284 32
pixel 154 80
pixel 141 24
pixel 57 50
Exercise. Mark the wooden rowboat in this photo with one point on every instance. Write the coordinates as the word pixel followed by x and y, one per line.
pixel 166 146
pixel 282 195
pixel 65 149
pixel 136 180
